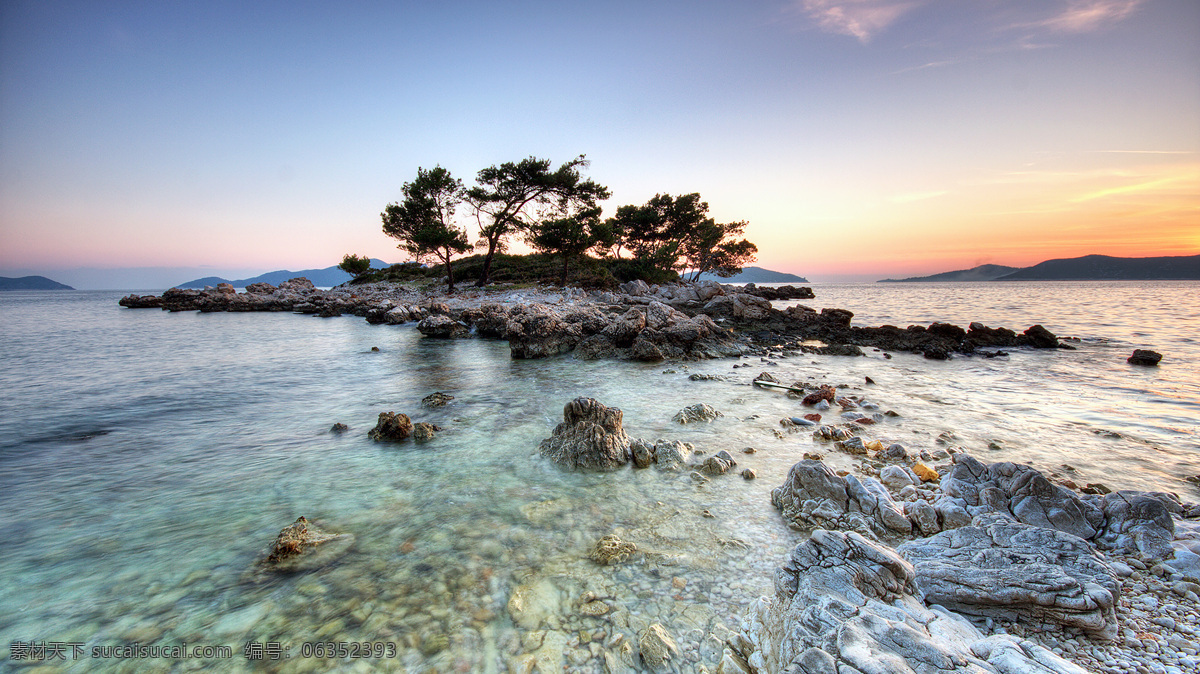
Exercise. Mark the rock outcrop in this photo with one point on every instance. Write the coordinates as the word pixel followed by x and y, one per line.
pixel 997 567
pixel 1019 491
pixel 814 496
pixel 591 437
pixel 1127 522
pixel 843 604
pixel 1137 523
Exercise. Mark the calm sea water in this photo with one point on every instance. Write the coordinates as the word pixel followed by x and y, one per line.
pixel 148 459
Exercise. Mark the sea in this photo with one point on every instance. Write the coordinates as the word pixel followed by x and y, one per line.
pixel 148 459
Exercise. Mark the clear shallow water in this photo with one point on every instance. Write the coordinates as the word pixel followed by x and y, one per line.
pixel 148 459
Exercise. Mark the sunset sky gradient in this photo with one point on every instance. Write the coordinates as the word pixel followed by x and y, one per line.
pixel 860 138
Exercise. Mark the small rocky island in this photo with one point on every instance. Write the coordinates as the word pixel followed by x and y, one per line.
pixel 636 321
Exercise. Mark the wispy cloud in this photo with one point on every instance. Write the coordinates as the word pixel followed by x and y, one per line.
pixel 862 19
pixel 1083 16
pixel 927 66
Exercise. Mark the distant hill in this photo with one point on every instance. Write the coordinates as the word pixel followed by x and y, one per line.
pixel 756 275
pixel 31 283
pixel 984 272
pixel 1105 268
pixel 324 278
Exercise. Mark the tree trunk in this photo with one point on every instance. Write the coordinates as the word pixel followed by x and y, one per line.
pixel 487 264
pixel 566 261
pixel 449 274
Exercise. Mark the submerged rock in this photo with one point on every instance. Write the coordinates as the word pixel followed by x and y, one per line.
pixel 611 550
pixel 301 546
pixel 656 645
pixel 591 437
pixel 997 567
pixel 437 399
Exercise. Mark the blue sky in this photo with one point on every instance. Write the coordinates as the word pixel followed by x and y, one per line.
pixel 861 139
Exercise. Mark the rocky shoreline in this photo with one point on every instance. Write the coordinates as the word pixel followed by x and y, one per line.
pixel 639 322
pixel 996 568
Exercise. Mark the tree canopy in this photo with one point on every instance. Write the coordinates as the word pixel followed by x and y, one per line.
pixel 558 213
pixel 571 237
pixel 424 221
pixel 515 197
pixel 676 233
pixel 355 265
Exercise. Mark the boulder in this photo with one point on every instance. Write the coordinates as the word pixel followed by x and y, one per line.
pixel 828 393
pixel 441 326
pixel 836 317
pixel 845 605
pixel 672 454
pixel 718 464
pixel 1144 357
pixel 1039 338
pixel 998 567
pixel 623 329
pixel 424 431
pixel 260 288
pixel 636 288
pixel 141 302
pixel 591 437
pixel 299 285
pixel 814 496
pixel 644 349
pixel 695 413
pixel 536 331
pixel 659 315
pixel 896 478
pixel 391 427
pixel 641 452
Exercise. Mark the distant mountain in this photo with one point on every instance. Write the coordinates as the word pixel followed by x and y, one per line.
pixel 31 283
pixel 324 278
pixel 984 272
pixel 756 275
pixel 1105 268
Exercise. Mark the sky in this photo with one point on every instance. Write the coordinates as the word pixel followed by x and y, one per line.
pixel 861 139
